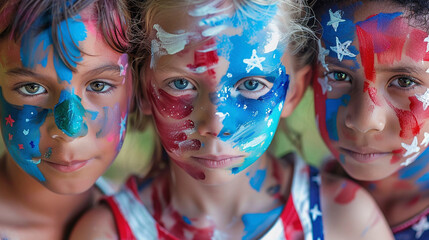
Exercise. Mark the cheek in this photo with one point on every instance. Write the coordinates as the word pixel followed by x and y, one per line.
pixel 21 134
pixel 111 124
pixel 170 113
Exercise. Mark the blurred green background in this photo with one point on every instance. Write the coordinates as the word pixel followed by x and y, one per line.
pixel 137 148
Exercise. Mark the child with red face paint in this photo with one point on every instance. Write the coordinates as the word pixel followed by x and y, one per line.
pixel 214 75
pixel 64 100
pixel 371 101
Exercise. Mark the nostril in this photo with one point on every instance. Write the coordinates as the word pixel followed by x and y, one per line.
pixel 226 133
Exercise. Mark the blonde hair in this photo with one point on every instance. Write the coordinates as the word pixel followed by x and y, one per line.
pixel 292 21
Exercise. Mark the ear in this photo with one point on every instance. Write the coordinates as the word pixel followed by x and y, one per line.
pixel 298 83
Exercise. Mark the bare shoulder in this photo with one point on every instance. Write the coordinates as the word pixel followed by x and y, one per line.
pixel 349 210
pixel 97 223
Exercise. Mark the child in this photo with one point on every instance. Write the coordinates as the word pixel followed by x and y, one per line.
pixel 215 85
pixel 371 102
pixel 64 101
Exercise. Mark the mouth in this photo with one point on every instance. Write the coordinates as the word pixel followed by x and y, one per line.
pixel 218 161
pixel 67 167
pixel 365 155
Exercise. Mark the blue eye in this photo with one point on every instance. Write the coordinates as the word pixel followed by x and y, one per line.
pixel 32 89
pixel 251 85
pixel 339 76
pixel 180 84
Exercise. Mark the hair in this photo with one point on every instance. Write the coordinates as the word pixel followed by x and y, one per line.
pixel 294 22
pixel 17 16
pixel 417 11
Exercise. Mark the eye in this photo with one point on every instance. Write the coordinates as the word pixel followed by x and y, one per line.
pixel 339 76
pixel 181 84
pixel 32 89
pixel 251 85
pixel 99 87
pixel 404 82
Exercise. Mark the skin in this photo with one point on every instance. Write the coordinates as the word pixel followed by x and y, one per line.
pixel 75 132
pixel 374 110
pixel 199 115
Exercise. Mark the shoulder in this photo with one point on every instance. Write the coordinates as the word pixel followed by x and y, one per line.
pixel 97 223
pixel 349 210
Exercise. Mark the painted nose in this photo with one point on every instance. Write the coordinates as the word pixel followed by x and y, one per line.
pixel 364 115
pixel 210 121
pixel 69 115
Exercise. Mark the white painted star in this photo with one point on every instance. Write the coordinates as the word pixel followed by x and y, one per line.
pixel 410 160
pixel 425 141
pixel 317 179
pixel 323 52
pixel 342 49
pixel 254 61
pixel 421 227
pixel 315 212
pixel 412 148
pixel 424 98
pixel 427 40
pixel 324 83
pixel 335 19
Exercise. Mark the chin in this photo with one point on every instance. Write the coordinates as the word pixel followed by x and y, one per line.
pixel 68 187
pixel 368 173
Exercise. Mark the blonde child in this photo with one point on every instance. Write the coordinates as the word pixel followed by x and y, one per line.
pixel 64 100
pixel 214 75
pixel 371 102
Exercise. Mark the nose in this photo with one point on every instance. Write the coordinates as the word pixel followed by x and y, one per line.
pixel 69 115
pixel 364 115
pixel 209 120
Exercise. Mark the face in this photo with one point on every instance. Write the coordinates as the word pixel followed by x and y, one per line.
pixel 216 89
pixel 63 127
pixel 371 95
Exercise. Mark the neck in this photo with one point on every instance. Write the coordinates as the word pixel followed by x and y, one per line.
pixel 406 189
pixel 221 204
pixel 34 202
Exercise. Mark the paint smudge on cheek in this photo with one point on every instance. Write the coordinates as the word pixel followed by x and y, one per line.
pixel 397 155
pixel 347 193
pixel 332 108
pixel 166 109
pixel 415 168
pixel 407 121
pixel 21 134
pixel 36 45
pixel 112 125
pixel 194 172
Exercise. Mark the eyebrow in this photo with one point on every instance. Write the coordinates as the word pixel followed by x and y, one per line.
pixel 24 72
pixel 407 69
pixel 105 68
pixel 334 61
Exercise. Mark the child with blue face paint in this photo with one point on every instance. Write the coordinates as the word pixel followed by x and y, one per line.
pixel 64 100
pixel 371 103
pixel 216 77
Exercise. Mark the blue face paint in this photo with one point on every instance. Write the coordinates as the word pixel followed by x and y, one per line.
pixel 339 31
pixel 36 44
pixel 69 114
pixel 257 223
pixel 257 179
pixel 332 106
pixel 250 124
pixel 21 134
pixel 415 169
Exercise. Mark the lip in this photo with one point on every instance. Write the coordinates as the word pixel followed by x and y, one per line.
pixel 67 167
pixel 365 155
pixel 217 161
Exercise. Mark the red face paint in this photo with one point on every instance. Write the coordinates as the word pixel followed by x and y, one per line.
pixel 397 155
pixel 205 59
pixel 347 193
pixel 366 49
pixel 417 48
pixel 408 122
pixel 171 106
pixel 372 92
